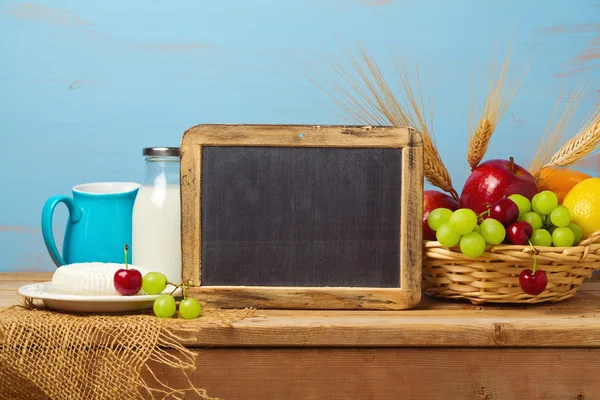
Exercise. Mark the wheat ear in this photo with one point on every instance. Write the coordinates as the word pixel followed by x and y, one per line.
pixel 369 98
pixel 554 132
pixel 580 146
pixel 495 104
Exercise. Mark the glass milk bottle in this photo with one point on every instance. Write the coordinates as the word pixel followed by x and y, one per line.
pixel 156 237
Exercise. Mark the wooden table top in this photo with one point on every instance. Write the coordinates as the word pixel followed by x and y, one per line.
pixel 433 323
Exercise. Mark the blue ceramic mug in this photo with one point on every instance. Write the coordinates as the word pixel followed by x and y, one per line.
pixel 99 223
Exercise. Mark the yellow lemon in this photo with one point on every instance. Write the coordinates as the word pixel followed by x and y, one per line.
pixel 583 202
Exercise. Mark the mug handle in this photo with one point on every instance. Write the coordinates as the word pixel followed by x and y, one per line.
pixel 47 213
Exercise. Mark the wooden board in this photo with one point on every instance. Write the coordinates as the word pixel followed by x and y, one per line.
pixel 433 323
pixel 382 374
pixel 302 216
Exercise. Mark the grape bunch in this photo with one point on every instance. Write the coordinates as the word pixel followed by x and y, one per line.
pixel 513 220
pixel 165 305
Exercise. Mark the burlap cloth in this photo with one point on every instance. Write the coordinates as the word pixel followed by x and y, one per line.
pixel 52 355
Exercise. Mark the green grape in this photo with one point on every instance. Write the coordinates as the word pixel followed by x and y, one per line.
pixel 446 236
pixel 438 217
pixel 522 202
pixel 541 237
pixel 492 231
pixel 560 216
pixel 154 282
pixel 563 237
pixel 463 221
pixel 577 232
pixel 544 202
pixel 477 229
pixel 164 306
pixel 189 308
pixel 472 244
pixel 533 219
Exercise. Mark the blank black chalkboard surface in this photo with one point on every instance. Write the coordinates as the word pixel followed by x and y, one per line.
pixel 315 217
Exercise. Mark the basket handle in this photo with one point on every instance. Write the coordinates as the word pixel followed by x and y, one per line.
pixel 593 238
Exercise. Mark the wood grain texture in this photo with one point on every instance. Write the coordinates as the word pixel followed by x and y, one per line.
pixel 199 137
pixel 432 323
pixel 330 298
pixel 411 261
pixel 301 136
pixel 191 230
pixel 432 374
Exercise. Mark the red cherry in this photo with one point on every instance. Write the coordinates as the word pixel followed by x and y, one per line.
pixel 128 281
pixel 519 233
pixel 505 210
pixel 533 283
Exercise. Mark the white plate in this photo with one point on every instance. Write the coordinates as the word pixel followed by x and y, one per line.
pixel 97 304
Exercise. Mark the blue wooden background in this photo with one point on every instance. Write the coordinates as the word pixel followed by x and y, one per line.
pixel 85 85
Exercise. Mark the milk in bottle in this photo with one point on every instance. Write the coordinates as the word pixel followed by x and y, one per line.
pixel 156 237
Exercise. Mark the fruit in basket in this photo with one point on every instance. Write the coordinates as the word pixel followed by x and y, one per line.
pixel 127 281
pixel 577 231
pixel 446 236
pixel 563 237
pixel 492 231
pixel 533 282
pixel 532 218
pixel 560 180
pixel 433 199
pixel 463 221
pixel 560 217
pixel 541 237
pixel 505 211
pixel 544 202
pixel 472 244
pixel 522 203
pixel 583 203
pixel 519 233
pixel 438 217
pixel 494 179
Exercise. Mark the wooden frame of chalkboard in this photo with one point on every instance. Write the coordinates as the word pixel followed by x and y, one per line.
pixel 404 294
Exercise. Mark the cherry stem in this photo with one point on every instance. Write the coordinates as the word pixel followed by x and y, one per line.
pixel 126 251
pixel 534 256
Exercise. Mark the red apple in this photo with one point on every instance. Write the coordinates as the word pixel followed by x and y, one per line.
pixel 433 199
pixel 494 179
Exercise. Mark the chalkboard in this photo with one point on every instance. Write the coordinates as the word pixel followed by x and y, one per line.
pixel 302 216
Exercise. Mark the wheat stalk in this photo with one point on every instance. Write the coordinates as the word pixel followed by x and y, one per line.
pixel 553 134
pixel 580 146
pixel 495 104
pixel 370 99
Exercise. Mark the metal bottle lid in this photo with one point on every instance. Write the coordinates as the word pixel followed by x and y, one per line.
pixel 161 151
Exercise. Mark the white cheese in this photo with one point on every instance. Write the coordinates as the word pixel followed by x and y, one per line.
pixel 93 279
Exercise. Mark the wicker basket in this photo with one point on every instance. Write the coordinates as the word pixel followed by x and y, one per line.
pixel 494 277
